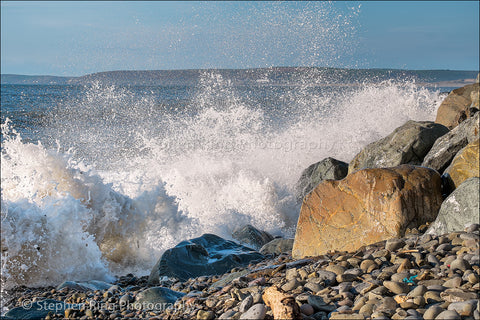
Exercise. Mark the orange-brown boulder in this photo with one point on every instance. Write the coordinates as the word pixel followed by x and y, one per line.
pixel 367 206
pixel 466 164
pixel 457 106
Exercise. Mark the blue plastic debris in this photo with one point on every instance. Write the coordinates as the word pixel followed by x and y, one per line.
pixel 410 280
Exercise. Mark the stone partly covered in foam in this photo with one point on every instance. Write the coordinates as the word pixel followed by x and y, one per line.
pixel 251 236
pixel 205 255
pixel 407 144
pixel 465 165
pixel 367 206
pixel 328 168
pixel 460 209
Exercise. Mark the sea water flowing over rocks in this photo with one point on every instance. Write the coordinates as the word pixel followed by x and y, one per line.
pixel 390 240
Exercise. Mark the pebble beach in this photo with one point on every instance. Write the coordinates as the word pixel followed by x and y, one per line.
pixel 415 277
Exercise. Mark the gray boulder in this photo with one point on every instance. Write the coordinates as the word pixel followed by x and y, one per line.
pixel 407 144
pixel 205 255
pixel 446 147
pixel 251 236
pixel 459 209
pixel 156 298
pixel 277 246
pixel 328 168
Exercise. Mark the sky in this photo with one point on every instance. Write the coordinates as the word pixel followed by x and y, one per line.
pixel 69 38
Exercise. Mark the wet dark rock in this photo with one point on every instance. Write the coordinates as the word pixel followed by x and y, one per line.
pixel 36 310
pixel 206 255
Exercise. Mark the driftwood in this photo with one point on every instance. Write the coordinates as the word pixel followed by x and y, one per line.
pixel 283 305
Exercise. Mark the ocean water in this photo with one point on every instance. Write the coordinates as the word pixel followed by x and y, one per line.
pixel 99 179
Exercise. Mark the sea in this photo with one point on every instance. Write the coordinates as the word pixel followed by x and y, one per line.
pixel 99 178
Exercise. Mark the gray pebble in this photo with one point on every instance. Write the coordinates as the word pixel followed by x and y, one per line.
pixel 246 304
pixel 418 291
pixel 454 282
pixel 290 285
pixel 257 311
pixel 448 315
pixel 307 309
pixel 464 308
pixel 227 314
pixel 460 264
pixel 312 286
pixel 397 287
pixel 394 244
pixel 432 312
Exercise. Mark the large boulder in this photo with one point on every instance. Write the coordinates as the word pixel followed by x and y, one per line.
pixel 460 209
pixel 465 165
pixel 251 236
pixel 407 144
pixel 448 145
pixel 205 255
pixel 328 168
pixel 458 106
pixel 368 206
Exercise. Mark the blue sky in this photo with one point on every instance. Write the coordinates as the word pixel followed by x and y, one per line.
pixel 76 38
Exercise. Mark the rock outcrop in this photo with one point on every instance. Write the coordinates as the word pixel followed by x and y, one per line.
pixel 367 206
pixel 328 168
pixel 448 145
pixel 407 144
pixel 458 106
pixel 460 209
pixel 205 255
pixel 465 165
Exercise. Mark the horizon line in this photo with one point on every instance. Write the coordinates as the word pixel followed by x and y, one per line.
pixel 205 69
